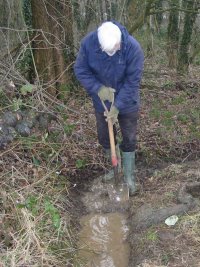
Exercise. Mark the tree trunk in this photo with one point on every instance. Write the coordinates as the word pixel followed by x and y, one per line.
pixel 143 14
pixel 52 44
pixel 149 36
pixel 12 25
pixel 173 34
pixel 183 56
pixel 196 51
pixel 158 16
pixel 12 36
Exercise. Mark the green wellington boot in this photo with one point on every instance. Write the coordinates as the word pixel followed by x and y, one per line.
pixel 129 170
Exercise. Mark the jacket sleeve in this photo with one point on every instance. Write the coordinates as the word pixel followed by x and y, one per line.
pixel 129 92
pixel 84 74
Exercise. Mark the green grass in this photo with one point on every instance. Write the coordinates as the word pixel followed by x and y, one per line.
pixel 155 113
pixel 183 118
pixel 178 100
pixel 152 235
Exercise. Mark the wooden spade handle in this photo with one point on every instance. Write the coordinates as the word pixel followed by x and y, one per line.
pixel 112 143
pixel 111 137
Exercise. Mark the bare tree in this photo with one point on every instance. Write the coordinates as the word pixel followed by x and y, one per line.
pixel 52 22
pixel 141 13
pixel 11 20
pixel 173 33
pixel 189 21
pixel 159 15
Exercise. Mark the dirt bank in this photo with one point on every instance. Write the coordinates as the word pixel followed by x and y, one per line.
pixel 171 190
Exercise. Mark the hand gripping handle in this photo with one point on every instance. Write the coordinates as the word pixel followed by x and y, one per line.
pixel 111 136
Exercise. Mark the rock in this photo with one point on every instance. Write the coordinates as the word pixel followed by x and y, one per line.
pixel 23 129
pixel 44 119
pixel 10 119
pixel 11 130
pixel 3 129
pixel 7 135
pixel 11 134
pixel 30 119
pixel 3 142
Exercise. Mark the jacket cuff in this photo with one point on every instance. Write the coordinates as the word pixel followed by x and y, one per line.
pixel 96 88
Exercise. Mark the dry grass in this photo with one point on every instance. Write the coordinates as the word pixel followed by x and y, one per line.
pixel 36 226
pixel 38 217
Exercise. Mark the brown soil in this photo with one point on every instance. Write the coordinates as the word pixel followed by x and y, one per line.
pixel 153 242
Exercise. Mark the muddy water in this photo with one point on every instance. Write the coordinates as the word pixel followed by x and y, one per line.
pixel 103 240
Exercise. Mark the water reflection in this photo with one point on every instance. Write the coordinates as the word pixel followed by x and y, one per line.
pixel 103 240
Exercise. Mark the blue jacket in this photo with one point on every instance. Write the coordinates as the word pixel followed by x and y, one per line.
pixel 122 71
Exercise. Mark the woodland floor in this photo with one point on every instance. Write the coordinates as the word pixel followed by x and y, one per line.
pixel 43 176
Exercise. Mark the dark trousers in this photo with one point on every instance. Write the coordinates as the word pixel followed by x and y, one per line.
pixel 128 127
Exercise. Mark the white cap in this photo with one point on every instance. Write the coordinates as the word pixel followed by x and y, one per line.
pixel 109 36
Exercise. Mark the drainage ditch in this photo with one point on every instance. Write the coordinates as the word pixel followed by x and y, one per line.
pixel 104 230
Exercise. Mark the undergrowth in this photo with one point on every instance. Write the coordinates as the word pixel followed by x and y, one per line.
pixel 38 173
pixel 39 219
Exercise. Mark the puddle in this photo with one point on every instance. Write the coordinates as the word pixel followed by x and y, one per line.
pixel 102 240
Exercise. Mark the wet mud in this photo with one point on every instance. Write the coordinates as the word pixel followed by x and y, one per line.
pixel 119 233
pixel 104 230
